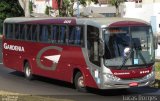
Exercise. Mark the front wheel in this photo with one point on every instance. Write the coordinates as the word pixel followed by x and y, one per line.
pixel 79 82
pixel 28 72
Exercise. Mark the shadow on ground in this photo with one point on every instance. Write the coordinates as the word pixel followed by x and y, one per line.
pixel 156 84
pixel 110 92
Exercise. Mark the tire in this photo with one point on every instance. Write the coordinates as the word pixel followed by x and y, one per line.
pixel 79 82
pixel 28 71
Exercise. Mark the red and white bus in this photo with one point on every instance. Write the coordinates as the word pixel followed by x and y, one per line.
pixel 103 53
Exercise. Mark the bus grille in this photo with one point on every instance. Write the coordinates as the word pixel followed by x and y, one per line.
pixel 132 78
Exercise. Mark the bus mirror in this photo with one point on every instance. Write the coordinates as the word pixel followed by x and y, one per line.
pixel 101 47
pixel 137 43
pixel 156 41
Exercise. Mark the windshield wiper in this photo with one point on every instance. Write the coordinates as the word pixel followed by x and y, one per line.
pixel 127 56
pixel 124 62
pixel 143 59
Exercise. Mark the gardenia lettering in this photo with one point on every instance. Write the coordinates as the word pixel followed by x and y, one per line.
pixel 13 47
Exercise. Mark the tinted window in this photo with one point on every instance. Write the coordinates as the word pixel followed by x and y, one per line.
pixel 62 35
pixel 43 35
pixel 76 35
pixel 92 44
pixel 54 34
pixel 16 31
pixel 9 31
pixel 34 32
pixel 29 32
pixel 22 31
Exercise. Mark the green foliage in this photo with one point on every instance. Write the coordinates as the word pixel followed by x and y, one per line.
pixel 47 10
pixel 157 66
pixel 66 9
pixel 10 8
pixel 116 3
pixel 30 6
pixel 1 26
pixel 95 1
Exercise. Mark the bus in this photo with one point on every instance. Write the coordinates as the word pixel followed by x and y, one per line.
pixel 101 53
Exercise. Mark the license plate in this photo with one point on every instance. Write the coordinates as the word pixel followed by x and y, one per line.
pixel 133 84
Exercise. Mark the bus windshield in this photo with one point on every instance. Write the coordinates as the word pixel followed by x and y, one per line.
pixel 128 46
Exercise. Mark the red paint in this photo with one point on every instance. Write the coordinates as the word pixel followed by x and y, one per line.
pixel 133 73
pixel 133 84
pixel 127 23
pixel 71 58
pixel 54 4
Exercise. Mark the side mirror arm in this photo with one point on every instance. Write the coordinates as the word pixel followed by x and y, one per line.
pixel 156 41
pixel 101 48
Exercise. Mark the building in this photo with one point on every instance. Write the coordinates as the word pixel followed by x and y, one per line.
pixel 101 8
pixel 148 10
pixel 39 6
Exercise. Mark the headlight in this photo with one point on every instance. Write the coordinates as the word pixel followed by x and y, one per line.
pixel 112 77
pixel 150 74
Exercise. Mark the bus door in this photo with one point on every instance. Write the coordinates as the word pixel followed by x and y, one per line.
pixel 92 44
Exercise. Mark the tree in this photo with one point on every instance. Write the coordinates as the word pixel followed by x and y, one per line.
pixel 63 6
pixel 30 6
pixel 81 2
pixel 116 3
pixel 10 8
pixel 25 6
pixel 47 10
pixel 66 6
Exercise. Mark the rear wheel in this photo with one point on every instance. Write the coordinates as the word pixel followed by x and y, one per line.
pixel 28 71
pixel 79 82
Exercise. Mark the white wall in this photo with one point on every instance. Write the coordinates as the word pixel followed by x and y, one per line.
pixel 157 14
pixel 41 5
pixel 144 13
pixel 150 9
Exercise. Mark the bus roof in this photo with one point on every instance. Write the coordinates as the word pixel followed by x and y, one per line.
pixel 98 22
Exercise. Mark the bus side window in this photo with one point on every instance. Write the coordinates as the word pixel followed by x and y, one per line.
pixel 16 31
pixel 43 35
pixel 5 26
pixel 34 32
pixel 29 32
pixel 54 34
pixel 71 35
pixel 76 35
pixel 9 31
pixel 22 31
pixel 62 35
pixel 92 44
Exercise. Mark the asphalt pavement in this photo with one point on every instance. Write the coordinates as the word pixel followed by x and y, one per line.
pixel 14 81
pixel 0 51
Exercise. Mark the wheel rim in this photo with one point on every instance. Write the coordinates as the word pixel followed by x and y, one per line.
pixel 28 71
pixel 81 82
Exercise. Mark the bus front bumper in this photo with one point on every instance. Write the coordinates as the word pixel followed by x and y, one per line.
pixel 109 83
